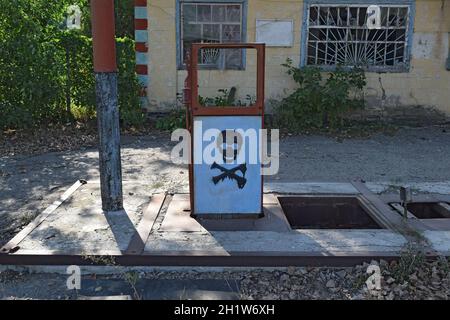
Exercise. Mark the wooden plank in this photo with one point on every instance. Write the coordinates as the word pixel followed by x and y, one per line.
pixel 13 244
pixel 383 214
pixel 137 243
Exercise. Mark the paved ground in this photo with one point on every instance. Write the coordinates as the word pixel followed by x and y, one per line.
pixel 29 183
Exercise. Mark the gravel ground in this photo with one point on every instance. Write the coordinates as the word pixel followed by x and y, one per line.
pixel 401 280
pixel 30 181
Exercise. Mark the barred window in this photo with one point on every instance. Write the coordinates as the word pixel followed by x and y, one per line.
pixel 212 23
pixel 338 35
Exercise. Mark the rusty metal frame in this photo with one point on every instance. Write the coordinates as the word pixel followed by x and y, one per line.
pixel 136 256
pixel 383 214
pixel 205 258
pixel 193 107
pixel 256 109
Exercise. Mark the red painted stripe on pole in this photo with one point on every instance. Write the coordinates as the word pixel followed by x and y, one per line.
pixel 141 47
pixel 103 35
pixel 140 24
pixel 140 3
pixel 141 69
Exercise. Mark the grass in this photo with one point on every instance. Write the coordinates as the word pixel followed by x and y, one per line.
pixel 103 260
pixel 26 219
pixel 82 114
pixel 410 261
pixel 132 278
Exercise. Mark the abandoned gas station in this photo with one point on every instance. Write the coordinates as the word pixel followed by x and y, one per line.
pixel 228 216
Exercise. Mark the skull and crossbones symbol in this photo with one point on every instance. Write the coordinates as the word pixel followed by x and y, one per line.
pixel 231 174
pixel 232 146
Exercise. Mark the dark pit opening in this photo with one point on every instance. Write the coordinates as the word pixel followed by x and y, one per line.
pixel 326 213
pixel 426 210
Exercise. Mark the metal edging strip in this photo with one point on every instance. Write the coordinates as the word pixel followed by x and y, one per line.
pixel 12 245
pixel 137 243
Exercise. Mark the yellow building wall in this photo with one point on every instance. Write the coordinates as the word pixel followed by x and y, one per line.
pixel 426 84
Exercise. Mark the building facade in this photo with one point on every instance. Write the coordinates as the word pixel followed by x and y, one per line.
pixel 406 58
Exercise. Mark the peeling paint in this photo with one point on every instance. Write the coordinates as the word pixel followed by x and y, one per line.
pixel 425 84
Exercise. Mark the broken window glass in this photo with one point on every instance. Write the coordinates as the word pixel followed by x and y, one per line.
pixel 212 23
pixel 338 35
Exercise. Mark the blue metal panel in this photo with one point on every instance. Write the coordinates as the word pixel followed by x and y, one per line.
pixel 307 3
pixel 143 80
pixel 141 36
pixel 244 3
pixel 226 197
pixel 141 58
pixel 140 12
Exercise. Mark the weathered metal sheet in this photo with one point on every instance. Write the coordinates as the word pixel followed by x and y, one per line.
pixel 216 191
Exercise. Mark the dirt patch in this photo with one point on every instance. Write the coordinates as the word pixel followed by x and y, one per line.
pixel 57 138
pixel 44 140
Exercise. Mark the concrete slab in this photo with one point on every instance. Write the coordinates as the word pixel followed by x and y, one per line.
pixel 297 241
pixel 178 218
pixel 79 227
pixel 440 241
pixel 442 187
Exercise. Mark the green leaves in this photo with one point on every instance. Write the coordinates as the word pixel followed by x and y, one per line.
pixel 35 73
pixel 318 102
pixel 174 120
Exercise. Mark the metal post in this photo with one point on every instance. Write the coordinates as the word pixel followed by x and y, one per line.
pixel 105 68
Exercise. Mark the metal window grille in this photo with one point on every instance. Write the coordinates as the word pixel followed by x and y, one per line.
pixel 338 35
pixel 212 23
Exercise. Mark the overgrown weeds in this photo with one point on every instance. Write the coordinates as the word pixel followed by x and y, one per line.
pixel 411 260
pixel 321 100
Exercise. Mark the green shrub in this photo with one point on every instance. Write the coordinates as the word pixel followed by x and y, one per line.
pixel 33 63
pixel 226 98
pixel 175 119
pixel 320 103
pixel 30 62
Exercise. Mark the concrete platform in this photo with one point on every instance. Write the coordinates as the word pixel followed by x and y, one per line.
pixel 157 230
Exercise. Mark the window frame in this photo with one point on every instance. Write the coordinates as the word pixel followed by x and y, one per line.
pixel 380 69
pixel 179 48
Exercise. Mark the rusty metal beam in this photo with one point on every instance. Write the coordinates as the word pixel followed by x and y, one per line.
pixel 199 110
pixel 383 214
pixel 207 259
pixel 137 243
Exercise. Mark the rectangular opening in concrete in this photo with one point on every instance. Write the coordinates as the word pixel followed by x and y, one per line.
pixel 326 213
pixel 426 210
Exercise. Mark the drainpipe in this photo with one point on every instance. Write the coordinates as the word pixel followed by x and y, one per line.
pixel 105 68
pixel 447 64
